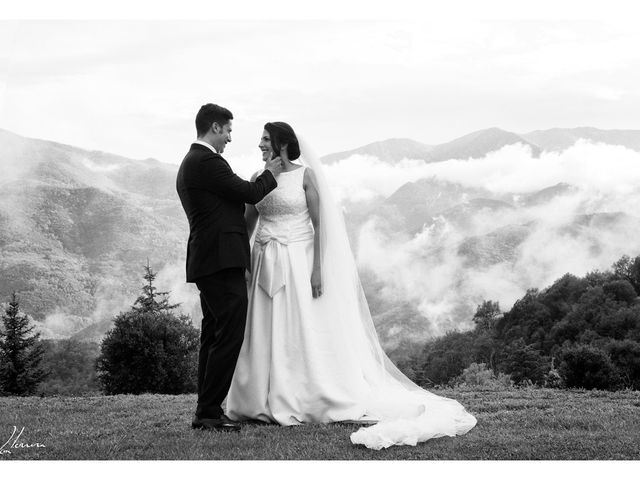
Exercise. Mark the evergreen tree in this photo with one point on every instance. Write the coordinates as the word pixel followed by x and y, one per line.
pixel 20 352
pixel 152 300
pixel 149 348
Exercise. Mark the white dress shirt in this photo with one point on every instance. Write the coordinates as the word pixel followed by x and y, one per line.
pixel 200 142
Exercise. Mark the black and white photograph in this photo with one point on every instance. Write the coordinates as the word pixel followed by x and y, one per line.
pixel 373 232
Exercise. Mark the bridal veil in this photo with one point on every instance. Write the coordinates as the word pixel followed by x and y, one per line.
pixel 405 413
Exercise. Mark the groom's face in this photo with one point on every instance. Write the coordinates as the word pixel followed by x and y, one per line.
pixel 222 135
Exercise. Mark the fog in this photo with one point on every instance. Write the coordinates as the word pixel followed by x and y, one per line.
pixel 429 269
pixel 608 168
pixel 450 266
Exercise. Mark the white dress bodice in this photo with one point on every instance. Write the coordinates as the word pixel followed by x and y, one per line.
pixel 284 215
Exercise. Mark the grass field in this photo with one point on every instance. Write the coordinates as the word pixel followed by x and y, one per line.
pixel 529 423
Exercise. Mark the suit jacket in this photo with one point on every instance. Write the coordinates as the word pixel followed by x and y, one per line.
pixel 213 197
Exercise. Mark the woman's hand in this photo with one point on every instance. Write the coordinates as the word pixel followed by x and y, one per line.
pixel 316 282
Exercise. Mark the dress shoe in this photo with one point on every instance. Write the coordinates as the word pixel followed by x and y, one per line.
pixel 223 424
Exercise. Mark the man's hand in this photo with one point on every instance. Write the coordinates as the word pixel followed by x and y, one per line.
pixel 274 165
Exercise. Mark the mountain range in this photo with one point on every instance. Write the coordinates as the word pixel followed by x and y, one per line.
pixel 478 144
pixel 76 226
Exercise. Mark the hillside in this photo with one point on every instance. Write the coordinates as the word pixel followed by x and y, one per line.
pixel 390 151
pixel 76 227
pixel 558 139
pixel 478 144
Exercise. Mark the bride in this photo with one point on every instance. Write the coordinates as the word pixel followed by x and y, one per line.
pixel 310 351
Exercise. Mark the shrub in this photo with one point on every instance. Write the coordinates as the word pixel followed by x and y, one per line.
pixel 552 378
pixel 478 375
pixel 150 349
pixel 584 366
pixel 153 352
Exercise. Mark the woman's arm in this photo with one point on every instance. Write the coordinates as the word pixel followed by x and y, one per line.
pixel 251 213
pixel 313 204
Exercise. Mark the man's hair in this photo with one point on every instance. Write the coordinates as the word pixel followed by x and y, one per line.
pixel 210 114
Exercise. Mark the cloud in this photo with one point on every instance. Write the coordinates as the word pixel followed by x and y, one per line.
pixel 363 177
pixel 580 229
pixel 604 168
pixel 134 87
pixel 171 279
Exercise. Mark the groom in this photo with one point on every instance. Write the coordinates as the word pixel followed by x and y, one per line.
pixel 218 253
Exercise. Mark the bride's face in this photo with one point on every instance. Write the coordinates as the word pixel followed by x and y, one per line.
pixel 265 146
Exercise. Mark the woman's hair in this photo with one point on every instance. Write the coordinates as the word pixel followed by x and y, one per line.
pixel 282 134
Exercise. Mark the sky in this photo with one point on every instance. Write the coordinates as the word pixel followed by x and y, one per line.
pixel 133 87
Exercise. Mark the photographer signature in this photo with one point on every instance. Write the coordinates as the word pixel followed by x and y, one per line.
pixel 13 442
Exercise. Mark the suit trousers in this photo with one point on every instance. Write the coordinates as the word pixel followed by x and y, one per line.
pixel 223 298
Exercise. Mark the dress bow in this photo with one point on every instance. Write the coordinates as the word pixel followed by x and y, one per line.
pixel 271 271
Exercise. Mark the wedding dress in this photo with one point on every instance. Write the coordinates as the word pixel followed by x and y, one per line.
pixel 318 360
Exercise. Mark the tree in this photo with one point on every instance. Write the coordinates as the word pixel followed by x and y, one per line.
pixel 149 348
pixel 564 292
pixel 588 326
pixel 625 354
pixel 485 344
pixel 584 366
pixel 628 268
pixel 20 352
pixel 149 352
pixel 592 306
pixel 71 365
pixel 524 363
pixel 619 324
pixel 148 301
pixel 597 278
pixel 529 319
pixel 444 358
pixel 620 291
pixel 486 315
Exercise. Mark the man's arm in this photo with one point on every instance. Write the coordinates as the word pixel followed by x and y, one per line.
pixel 220 180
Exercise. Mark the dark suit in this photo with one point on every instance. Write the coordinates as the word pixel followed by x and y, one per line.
pixel 218 253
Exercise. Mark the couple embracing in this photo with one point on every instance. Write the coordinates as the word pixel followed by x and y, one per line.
pixel 287 336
